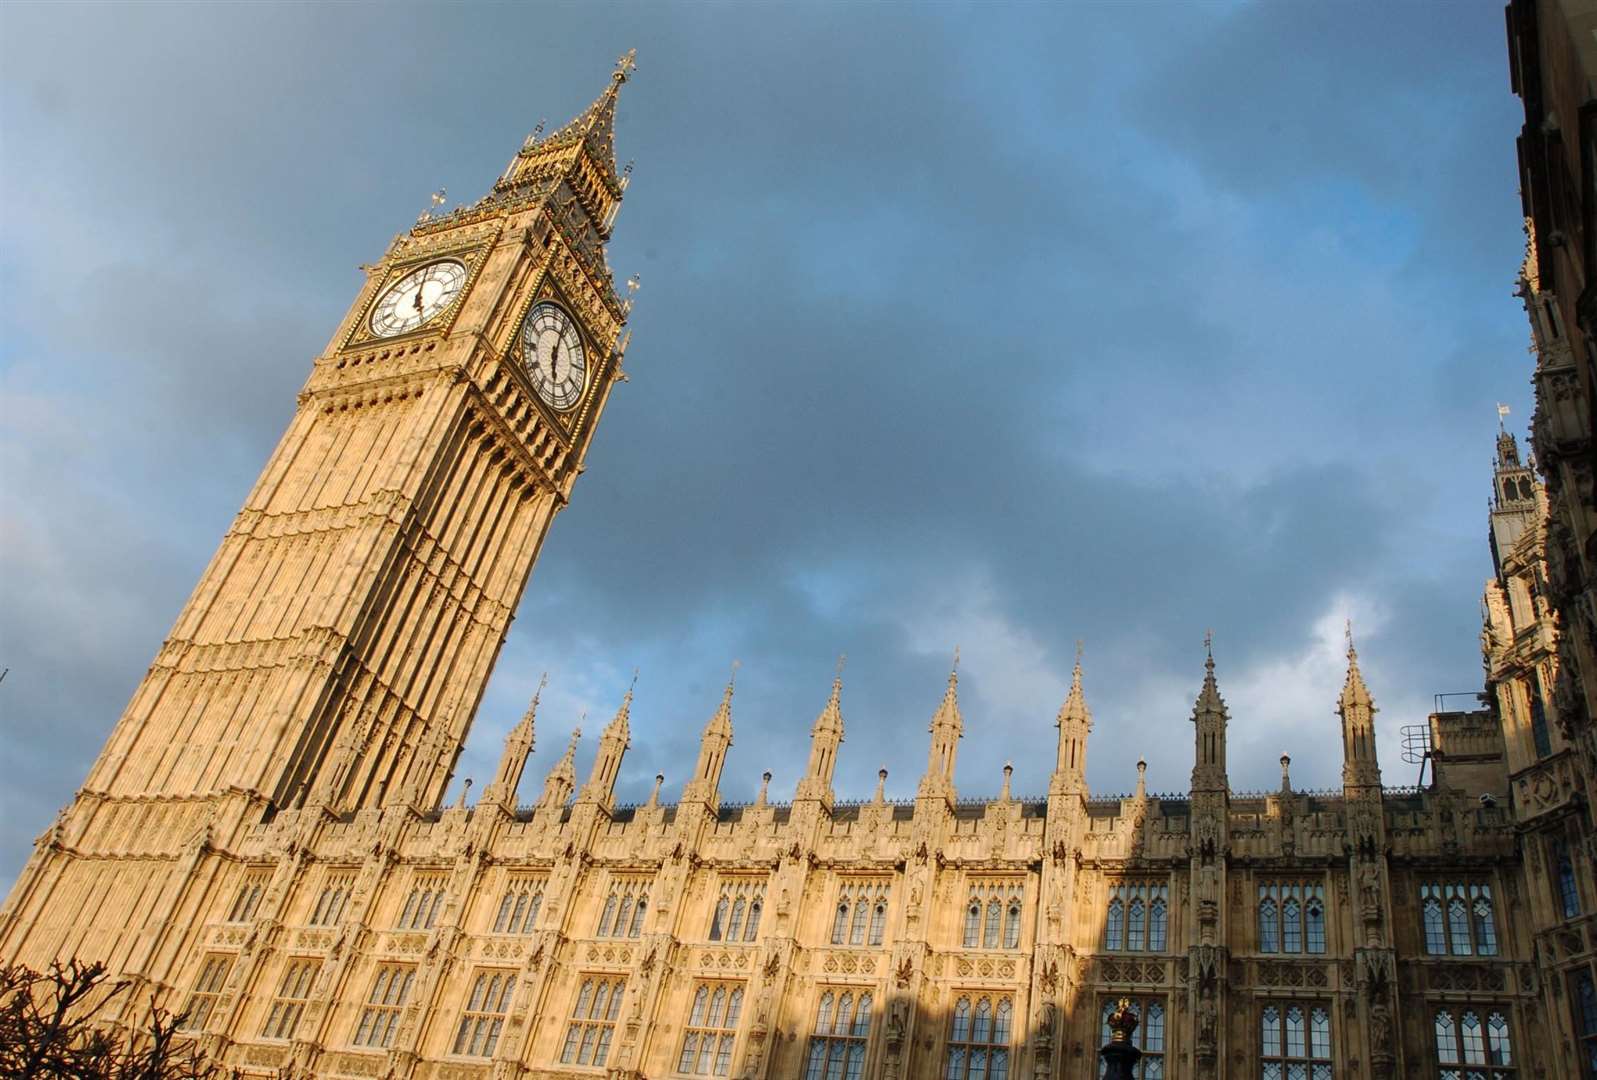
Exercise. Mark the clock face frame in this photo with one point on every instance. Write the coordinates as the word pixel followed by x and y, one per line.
pixel 417 298
pixel 554 356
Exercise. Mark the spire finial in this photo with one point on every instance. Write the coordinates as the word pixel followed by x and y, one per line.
pixel 1142 779
pixel 1286 773
pixel 1080 646
pixel 765 786
pixel 1009 770
pixel 1347 630
pixel 465 789
pixel 625 65
pixel 1208 646
pixel 1502 415
pixel 654 796
pixel 881 785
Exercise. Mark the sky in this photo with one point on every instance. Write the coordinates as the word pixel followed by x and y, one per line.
pixel 995 326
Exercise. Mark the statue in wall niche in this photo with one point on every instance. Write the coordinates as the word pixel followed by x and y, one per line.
pixel 1380 1033
pixel 1208 1020
pixel 1370 891
pixel 1042 1062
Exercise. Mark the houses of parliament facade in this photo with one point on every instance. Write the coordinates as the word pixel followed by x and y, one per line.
pixel 261 843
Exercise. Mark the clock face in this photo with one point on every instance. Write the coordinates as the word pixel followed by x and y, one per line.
pixel 417 297
pixel 551 348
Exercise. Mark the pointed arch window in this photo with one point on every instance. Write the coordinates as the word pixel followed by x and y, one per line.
pixel 1136 925
pixel 1538 724
pixel 973 924
pixel 421 906
pixel 1314 924
pixel 1459 918
pixel 293 991
pixel 1012 925
pixel 1137 916
pixel 1458 925
pixel 593 1022
pixel 625 908
pixel 856 927
pixel 842 1027
pixel 1269 926
pixel 736 925
pixel 1564 879
pixel 993 927
pixel 483 1018
pixel 1291 917
pixel 1291 926
pixel 978 1038
pixel 753 928
pixel 1114 935
pixel 1158 925
pixel 861 913
pixel 1149 1036
pixel 384 1005
pixel 518 911
pixel 1295 1042
pixel 711 1030
pixel 718 921
pixel 1473 1044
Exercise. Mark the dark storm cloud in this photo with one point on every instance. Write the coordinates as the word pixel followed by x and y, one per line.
pixel 991 326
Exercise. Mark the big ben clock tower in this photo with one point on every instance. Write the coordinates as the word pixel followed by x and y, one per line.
pixel 338 643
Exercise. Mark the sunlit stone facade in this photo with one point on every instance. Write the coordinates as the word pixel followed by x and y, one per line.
pixel 261 845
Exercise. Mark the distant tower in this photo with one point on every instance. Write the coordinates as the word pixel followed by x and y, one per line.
pixel 1514 504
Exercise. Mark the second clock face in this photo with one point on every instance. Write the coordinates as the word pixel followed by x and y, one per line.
pixel 551 347
pixel 417 297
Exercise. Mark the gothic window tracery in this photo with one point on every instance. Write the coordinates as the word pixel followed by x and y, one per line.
pixel 484 1015
pixel 1564 878
pixel 248 898
pixel 293 990
pixel 624 909
pixel 737 911
pixel 330 904
pixel 1458 919
pixel 384 1006
pixel 1473 1044
pixel 518 909
pixel 421 905
pixel 207 989
pixel 593 1022
pixel 842 1028
pixel 861 916
pixel 1149 1036
pixel 711 1030
pixel 1138 917
pixel 1295 1042
pixel 978 1038
pixel 1291 917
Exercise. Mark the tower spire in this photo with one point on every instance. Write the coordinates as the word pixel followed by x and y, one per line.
pixel 513 760
pixel 1210 719
pixel 562 779
pixel 592 131
pixel 613 745
pixel 716 738
pixel 1360 769
pixel 947 728
pixel 1074 723
pixel 825 737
